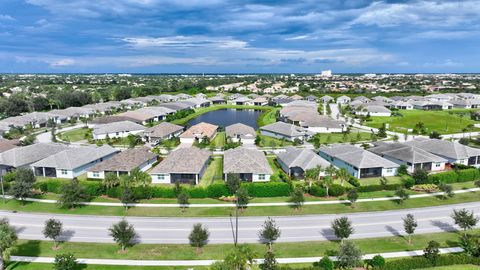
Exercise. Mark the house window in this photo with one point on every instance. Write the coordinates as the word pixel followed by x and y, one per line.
pixel 96 174
pixel 64 172
pixel 437 165
pixel 117 133
pixel 160 177
pixel 389 170
pixel 261 177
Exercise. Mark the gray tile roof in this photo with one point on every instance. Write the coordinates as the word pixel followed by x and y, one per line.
pixel 406 153
pixel 125 161
pixel 183 160
pixel 448 149
pixel 357 156
pixel 302 158
pixel 285 129
pixel 21 156
pixel 75 157
pixel 122 126
pixel 315 120
pixel 243 160
pixel 240 130
pixel 162 130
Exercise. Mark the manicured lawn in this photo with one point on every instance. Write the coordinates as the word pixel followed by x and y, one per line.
pixel 219 140
pixel 218 251
pixel 268 117
pixel 266 141
pixel 201 111
pixel 356 136
pixel 250 211
pixel 47 266
pixel 170 143
pixel 444 122
pixel 214 172
pixel 74 135
pixel 454 267
pixel 277 170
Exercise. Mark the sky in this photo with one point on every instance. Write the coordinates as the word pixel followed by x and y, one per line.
pixel 239 36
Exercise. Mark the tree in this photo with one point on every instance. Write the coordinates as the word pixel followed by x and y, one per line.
pixel 269 262
pixel 8 239
pixel 435 135
pixel 325 263
pixel 198 238
pixel 53 230
pixel 182 199
pixel 447 190
pixel 330 171
pixel 409 225
pixel 111 180
pixel 140 177
pixel 312 175
pixel 71 193
pixel 242 198
pixel 465 219
pixel 470 245
pixel 382 131
pixel 327 183
pixel 127 196
pixel 258 139
pixel 23 184
pixel 377 262
pixel 352 196
pixel 402 195
pixel 65 261
pixel 233 182
pixel 343 175
pixel 240 258
pixel 349 255
pixel 395 138
pixel 342 227
pixel 297 197
pixel 420 176
pixel 269 233
pixel 133 140
pixel 123 233
pixel 402 170
pixel 431 252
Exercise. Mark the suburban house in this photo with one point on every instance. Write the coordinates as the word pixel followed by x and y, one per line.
pixel 432 105
pixel 6 145
pixel 465 103
pixel 402 105
pixel 22 157
pixel 241 101
pixel 362 99
pixel 162 131
pixel 454 152
pixel 343 100
pixel 198 102
pixel 218 100
pixel 373 110
pixel 413 157
pixel 295 161
pixel 241 132
pixel 74 113
pixel 316 123
pixel 250 165
pixel 185 165
pixel 123 163
pixel 358 162
pixel 72 162
pixel 326 99
pixel 289 132
pixel 311 98
pixel 198 132
pixel 108 119
pixel 148 114
pixel 116 130
pixel 259 101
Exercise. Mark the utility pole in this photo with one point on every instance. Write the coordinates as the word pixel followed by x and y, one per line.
pixel 3 190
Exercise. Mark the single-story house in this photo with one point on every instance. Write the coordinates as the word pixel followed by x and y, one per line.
pixel 183 96
pixel 295 161
pixel 185 165
pixel 343 100
pixel 326 99
pixel 218 100
pixel 241 101
pixel 148 114
pixel 6 145
pixel 296 97
pixel 199 102
pixel 75 112
pixel 311 98
pixel 432 105
pixel 108 119
pixel 250 165
pixel 72 162
pixel 373 110
pixel 23 157
pixel 259 101
pixel 362 99
pixel 162 131
pixel 241 132
pixel 289 132
pixel 198 132
pixel 116 130
pixel 123 163
pixel 454 152
pixel 465 103
pixel 402 105
pixel 413 157
pixel 316 123
pixel 358 162
pixel 382 99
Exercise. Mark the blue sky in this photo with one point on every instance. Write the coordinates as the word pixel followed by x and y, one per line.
pixel 218 36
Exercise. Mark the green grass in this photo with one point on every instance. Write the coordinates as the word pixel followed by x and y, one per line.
pixel 170 143
pixel 454 267
pixel 219 140
pixel 217 251
pixel 277 170
pixel 266 141
pixel 201 111
pixel 48 266
pixel 74 135
pixel 268 117
pixel 250 211
pixel 341 138
pixel 444 122
pixel 213 173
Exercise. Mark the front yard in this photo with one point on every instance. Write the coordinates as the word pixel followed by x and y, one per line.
pixel 443 122
pixel 75 135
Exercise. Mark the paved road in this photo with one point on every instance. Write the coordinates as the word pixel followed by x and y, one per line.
pixel 294 229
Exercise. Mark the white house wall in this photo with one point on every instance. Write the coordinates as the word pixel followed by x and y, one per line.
pixel 121 134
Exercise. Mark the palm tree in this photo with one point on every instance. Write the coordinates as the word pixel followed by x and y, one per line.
pixel 343 175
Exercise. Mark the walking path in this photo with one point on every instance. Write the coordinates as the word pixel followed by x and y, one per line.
pixel 200 205
pixel 209 262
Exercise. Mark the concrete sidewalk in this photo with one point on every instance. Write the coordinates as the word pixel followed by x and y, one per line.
pixel 213 205
pixel 209 262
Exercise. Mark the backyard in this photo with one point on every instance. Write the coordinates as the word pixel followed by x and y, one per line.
pixel 443 122
pixel 75 135
pixel 214 172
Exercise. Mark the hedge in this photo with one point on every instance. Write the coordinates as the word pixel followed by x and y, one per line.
pixel 443 177
pixel 317 191
pixel 421 262
pixel 371 188
pixel 468 175
pixel 336 190
pixel 269 189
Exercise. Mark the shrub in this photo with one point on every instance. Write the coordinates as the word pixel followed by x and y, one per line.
pixel 142 193
pixel 92 188
pixel 354 181
pixel 408 182
pixel 51 185
pixel 421 262
pixel 443 177
pixel 468 175
pixel 218 190
pixel 162 192
pixel 272 189
pixel 197 192
pixel 420 176
pixel 114 192
pixel 317 191
pixel 336 190
pixel 402 170
pixel 425 188
pixel 371 188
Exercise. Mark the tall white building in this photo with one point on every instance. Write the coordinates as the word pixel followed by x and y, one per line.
pixel 326 73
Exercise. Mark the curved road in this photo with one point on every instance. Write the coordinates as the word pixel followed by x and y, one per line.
pixel 294 228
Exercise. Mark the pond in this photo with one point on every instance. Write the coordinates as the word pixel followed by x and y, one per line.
pixel 226 117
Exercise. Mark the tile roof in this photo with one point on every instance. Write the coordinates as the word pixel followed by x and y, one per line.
pixel 243 160
pixel 162 130
pixel 122 126
pixel 21 156
pixel 357 157
pixel 302 158
pixel 183 160
pixel 125 161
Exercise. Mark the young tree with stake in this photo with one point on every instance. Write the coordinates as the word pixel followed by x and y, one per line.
pixel 465 219
pixel 123 234
pixel 198 238
pixel 409 225
pixel 269 233
pixel 342 227
pixel 53 229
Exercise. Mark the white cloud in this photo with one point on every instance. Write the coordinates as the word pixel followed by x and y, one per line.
pixel 444 64
pixel 185 41
pixel 63 62
pixel 6 17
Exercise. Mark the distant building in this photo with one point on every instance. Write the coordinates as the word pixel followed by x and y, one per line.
pixel 326 73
